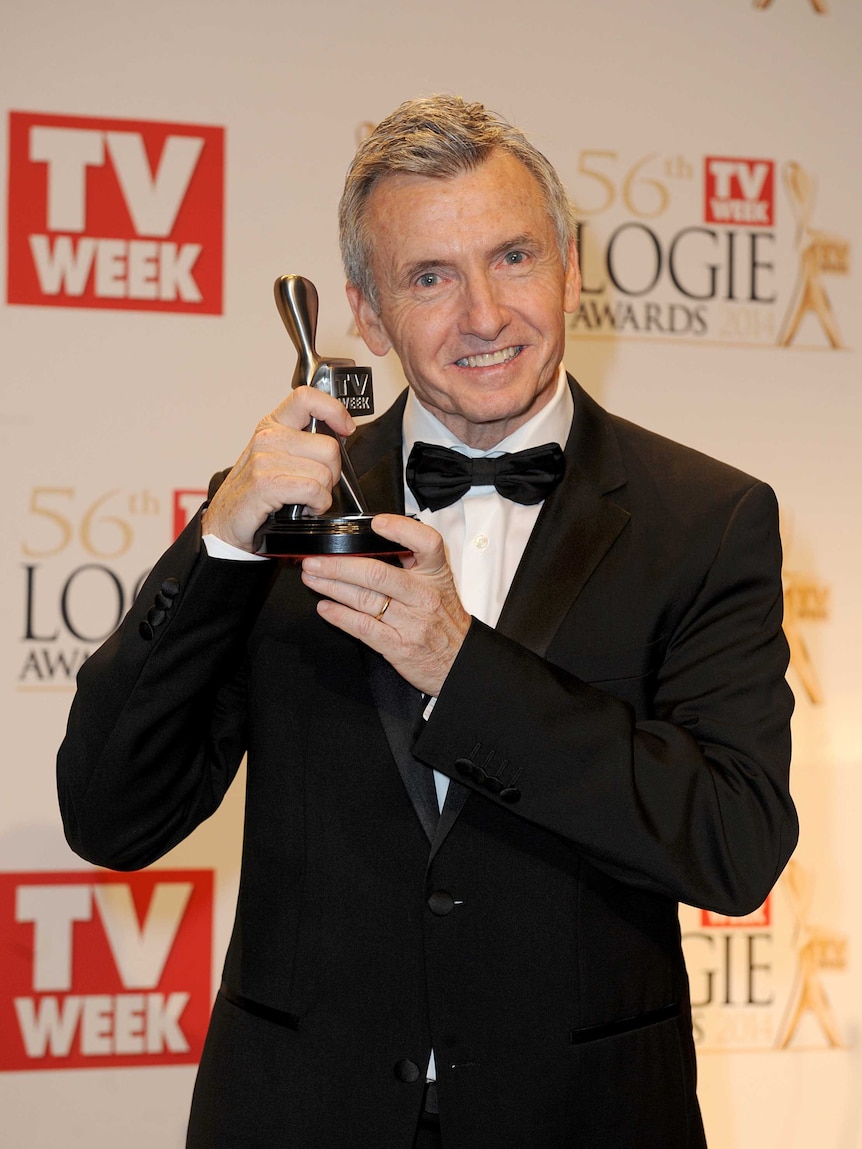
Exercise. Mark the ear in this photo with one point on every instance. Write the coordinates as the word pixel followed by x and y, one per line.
pixel 572 285
pixel 368 322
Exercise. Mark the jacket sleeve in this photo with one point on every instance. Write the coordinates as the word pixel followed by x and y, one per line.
pixel 157 729
pixel 690 800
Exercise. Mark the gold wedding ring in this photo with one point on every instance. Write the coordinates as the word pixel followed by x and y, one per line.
pixel 383 609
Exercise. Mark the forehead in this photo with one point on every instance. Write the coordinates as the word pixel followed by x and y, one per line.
pixel 500 195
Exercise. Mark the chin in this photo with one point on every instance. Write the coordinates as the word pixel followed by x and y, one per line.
pixel 499 407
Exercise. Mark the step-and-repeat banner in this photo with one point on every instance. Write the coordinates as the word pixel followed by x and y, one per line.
pixel 161 166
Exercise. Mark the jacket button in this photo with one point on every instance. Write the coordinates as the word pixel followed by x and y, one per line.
pixel 441 903
pixel 494 785
pixel 146 631
pixel 156 617
pixel 464 766
pixel 163 601
pixel 171 587
pixel 406 1071
pixel 511 794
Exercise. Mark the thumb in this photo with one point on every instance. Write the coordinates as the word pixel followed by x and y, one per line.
pixel 425 544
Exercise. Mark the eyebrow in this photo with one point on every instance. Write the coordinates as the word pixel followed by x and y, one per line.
pixel 517 241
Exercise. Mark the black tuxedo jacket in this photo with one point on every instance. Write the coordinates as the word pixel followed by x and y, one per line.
pixel 618 743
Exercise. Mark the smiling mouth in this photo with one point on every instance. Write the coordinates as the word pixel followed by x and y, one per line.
pixel 490 358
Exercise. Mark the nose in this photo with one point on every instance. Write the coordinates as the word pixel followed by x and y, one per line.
pixel 485 314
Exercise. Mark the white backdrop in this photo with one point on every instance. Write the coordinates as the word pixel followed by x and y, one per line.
pixel 713 148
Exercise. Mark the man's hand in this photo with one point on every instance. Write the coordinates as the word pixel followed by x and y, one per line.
pixel 411 614
pixel 281 464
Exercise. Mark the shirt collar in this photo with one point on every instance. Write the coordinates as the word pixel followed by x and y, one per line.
pixel 551 425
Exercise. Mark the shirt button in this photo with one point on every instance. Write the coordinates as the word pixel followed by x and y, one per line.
pixel 480 542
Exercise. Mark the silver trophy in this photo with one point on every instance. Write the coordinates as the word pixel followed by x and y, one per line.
pixel 292 532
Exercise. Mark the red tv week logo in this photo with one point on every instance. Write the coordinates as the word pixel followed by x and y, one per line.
pixel 739 191
pixel 186 503
pixel 115 213
pixel 104 969
pixel 760 917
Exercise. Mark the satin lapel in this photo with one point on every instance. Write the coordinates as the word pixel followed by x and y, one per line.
pixel 383 484
pixel 456 796
pixel 575 530
pixel 400 708
pixel 375 453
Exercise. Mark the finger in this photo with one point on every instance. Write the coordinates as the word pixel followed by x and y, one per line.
pixel 426 544
pixel 368 574
pixel 373 632
pixel 305 403
pixel 276 476
pixel 299 482
pixel 373 603
pixel 272 437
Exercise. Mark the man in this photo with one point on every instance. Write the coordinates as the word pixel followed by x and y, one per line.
pixel 479 781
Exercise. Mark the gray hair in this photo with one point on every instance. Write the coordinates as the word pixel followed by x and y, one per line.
pixel 438 137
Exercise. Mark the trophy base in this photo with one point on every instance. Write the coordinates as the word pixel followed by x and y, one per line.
pixel 285 538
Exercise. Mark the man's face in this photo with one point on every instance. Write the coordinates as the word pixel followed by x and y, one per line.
pixel 472 294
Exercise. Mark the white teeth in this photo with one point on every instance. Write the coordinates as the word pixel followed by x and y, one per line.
pixel 489 359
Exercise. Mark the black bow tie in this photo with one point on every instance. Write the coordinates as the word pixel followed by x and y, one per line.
pixel 439 476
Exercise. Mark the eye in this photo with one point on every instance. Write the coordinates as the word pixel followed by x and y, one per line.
pixel 514 257
pixel 428 279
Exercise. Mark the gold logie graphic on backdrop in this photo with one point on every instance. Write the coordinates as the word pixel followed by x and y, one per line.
pixel 819 254
pixel 667 254
pixel 804 598
pixel 817 949
pixel 762 982
pixel 819 6
pixel 79 575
